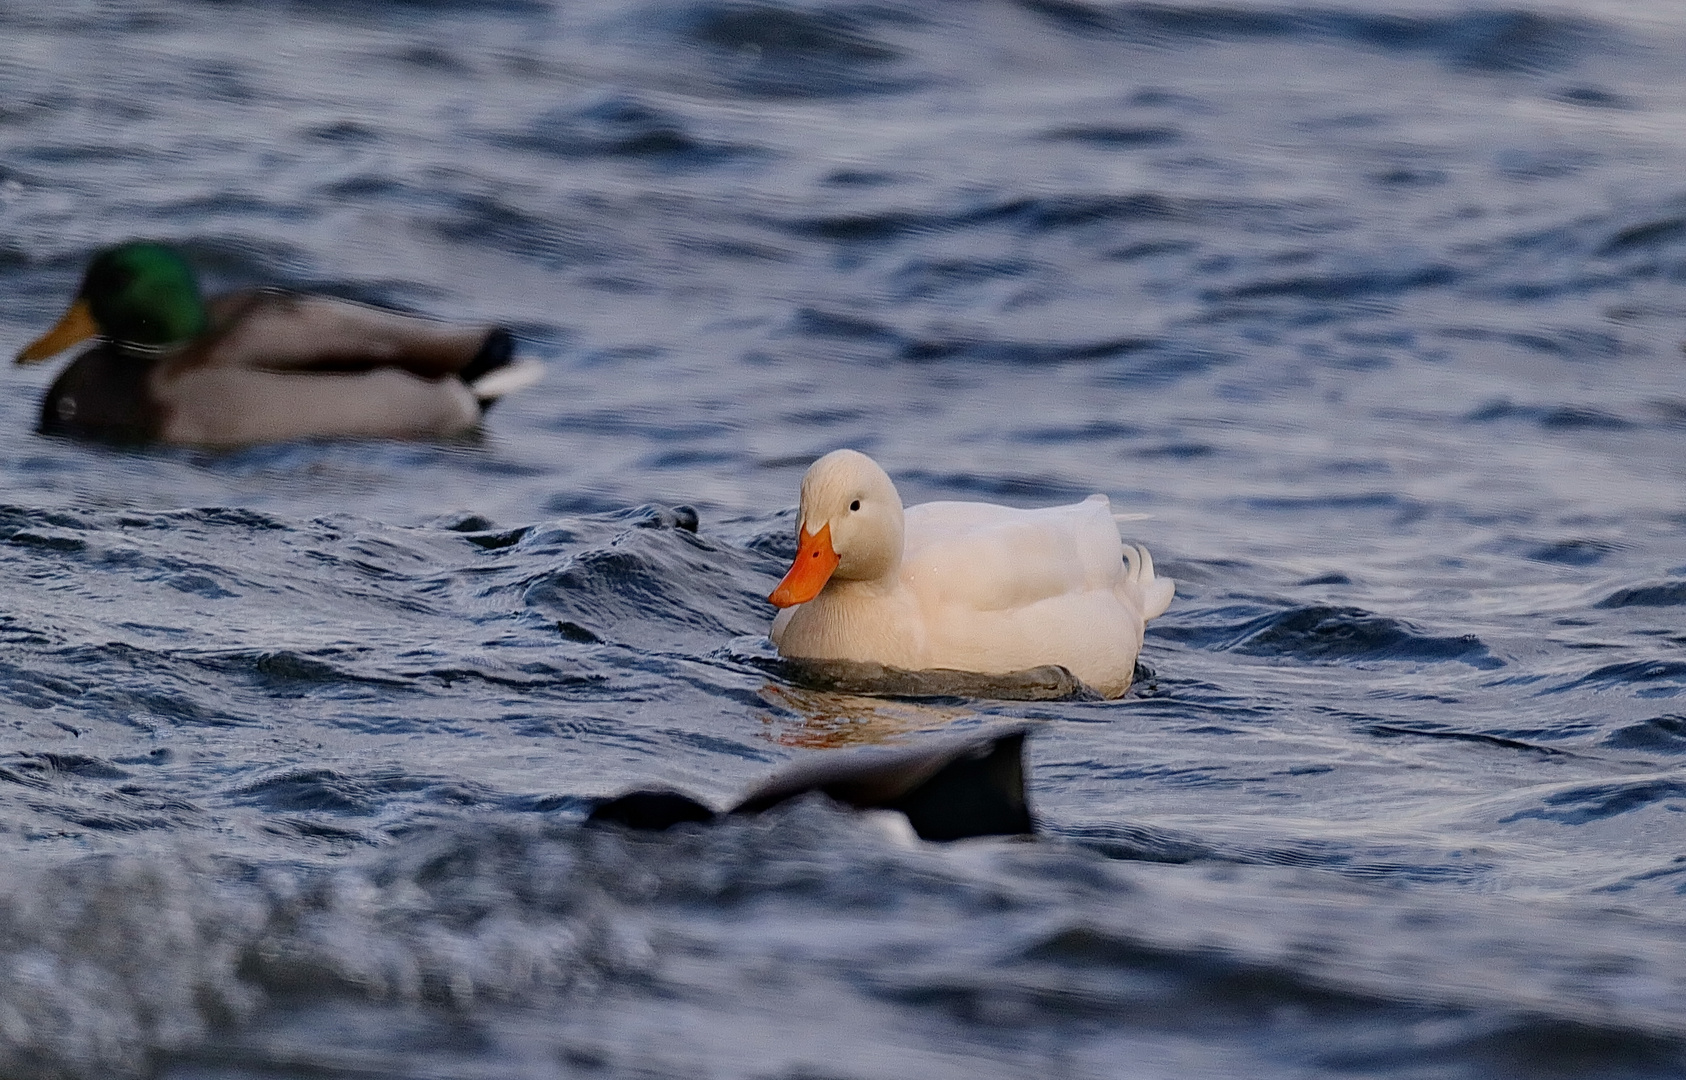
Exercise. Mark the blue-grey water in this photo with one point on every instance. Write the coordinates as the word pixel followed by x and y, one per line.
pixel 1375 307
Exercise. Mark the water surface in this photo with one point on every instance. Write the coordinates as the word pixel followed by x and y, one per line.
pixel 1375 308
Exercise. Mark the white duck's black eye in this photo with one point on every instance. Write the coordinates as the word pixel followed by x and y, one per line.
pixel 856 505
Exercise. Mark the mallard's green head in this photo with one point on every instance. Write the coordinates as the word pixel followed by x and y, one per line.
pixel 139 295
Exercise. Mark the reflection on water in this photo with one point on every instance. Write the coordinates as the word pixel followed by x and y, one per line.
pixel 823 719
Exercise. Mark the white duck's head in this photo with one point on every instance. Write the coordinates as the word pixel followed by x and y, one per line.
pixel 850 527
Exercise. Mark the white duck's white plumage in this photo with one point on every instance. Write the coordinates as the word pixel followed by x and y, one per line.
pixel 960 585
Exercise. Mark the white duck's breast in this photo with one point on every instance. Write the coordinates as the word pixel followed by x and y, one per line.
pixel 852 620
pixel 962 556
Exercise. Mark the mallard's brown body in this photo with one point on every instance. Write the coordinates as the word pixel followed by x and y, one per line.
pixel 275 366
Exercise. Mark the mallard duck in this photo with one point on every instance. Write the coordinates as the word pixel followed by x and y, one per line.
pixel 961 585
pixel 257 366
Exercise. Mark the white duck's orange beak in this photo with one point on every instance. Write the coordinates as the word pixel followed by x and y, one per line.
pixel 815 562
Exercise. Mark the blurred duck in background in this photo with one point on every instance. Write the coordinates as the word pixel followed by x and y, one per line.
pixel 258 366
pixel 961 585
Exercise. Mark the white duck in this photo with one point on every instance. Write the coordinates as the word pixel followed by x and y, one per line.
pixel 960 585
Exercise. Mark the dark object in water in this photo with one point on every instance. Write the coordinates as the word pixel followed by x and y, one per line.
pixel 652 810
pixel 949 789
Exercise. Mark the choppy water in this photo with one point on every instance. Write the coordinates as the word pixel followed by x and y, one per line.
pixel 1376 308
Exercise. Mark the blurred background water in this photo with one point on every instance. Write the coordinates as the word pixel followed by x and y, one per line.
pixel 1374 307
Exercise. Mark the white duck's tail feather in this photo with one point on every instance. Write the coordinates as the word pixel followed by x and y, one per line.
pixel 1153 592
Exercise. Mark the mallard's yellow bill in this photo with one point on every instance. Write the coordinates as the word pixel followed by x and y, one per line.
pixel 77 325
